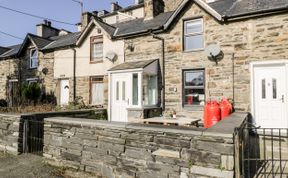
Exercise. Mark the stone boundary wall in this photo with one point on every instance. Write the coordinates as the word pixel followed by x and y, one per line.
pixel 9 133
pixel 11 126
pixel 141 151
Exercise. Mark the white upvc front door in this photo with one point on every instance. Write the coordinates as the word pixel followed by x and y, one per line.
pixel 64 92
pixel 270 95
pixel 120 97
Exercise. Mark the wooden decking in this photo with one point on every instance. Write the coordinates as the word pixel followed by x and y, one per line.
pixel 170 121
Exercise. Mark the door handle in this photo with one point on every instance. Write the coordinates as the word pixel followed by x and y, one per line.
pixel 283 99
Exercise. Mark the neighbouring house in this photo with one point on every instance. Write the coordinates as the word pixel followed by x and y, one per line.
pixel 9 72
pixel 252 37
pixel 26 63
pixel 95 52
pixel 81 69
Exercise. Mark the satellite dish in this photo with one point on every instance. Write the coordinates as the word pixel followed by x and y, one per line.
pixel 214 53
pixel 111 56
pixel 45 71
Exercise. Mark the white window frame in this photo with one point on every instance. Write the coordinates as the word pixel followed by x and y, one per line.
pixel 31 58
pixel 193 34
pixel 32 80
pixel 96 40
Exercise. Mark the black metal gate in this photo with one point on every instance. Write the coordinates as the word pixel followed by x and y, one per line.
pixel 33 136
pixel 262 152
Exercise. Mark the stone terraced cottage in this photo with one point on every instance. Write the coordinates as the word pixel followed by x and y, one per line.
pixel 27 63
pixel 252 36
pixel 150 56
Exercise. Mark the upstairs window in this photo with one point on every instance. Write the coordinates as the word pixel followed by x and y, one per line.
pixel 193 35
pixel 96 49
pixel 33 59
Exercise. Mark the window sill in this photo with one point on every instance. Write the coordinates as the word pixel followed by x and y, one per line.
pixel 194 108
pixel 96 61
pixel 32 68
pixel 194 50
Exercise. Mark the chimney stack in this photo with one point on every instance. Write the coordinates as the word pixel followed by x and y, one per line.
pixel 152 8
pixel 85 20
pixel 46 30
pixel 115 6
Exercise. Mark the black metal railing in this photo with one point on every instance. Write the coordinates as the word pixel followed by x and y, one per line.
pixel 263 151
pixel 33 136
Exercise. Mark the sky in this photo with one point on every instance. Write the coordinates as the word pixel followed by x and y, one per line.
pixel 63 10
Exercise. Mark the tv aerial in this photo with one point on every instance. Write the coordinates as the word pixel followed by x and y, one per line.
pixel 214 53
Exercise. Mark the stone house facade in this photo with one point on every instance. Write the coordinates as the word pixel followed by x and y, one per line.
pixel 243 40
pixel 25 63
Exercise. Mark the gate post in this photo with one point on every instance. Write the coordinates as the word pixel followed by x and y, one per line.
pixel 25 135
pixel 237 154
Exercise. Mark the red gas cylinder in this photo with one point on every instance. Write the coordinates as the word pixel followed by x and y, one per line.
pixel 212 114
pixel 226 108
pixel 190 99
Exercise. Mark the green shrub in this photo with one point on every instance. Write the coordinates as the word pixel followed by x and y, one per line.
pixel 31 92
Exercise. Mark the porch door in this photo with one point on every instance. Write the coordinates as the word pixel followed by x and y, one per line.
pixel 64 92
pixel 270 103
pixel 119 96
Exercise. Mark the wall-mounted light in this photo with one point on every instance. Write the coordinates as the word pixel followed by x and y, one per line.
pixel 130 47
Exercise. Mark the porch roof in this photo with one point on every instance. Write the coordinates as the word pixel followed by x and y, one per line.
pixel 133 65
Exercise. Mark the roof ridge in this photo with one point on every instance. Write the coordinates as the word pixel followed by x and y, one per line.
pixel 33 35
pixel 100 20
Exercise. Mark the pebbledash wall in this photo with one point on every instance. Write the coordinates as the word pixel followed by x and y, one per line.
pixel 256 39
pixel 141 151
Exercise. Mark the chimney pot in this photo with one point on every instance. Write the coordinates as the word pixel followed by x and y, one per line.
pixel 115 6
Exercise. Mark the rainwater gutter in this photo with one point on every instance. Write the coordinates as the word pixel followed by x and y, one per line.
pixel 254 14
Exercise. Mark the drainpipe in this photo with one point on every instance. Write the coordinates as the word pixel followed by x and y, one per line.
pixel 162 66
pixel 233 78
pixel 74 74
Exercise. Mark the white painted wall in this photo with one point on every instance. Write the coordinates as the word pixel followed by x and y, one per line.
pixel 63 65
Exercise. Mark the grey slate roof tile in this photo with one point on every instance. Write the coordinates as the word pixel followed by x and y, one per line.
pixel 13 51
pixel 63 41
pixel 39 41
pixel 108 28
pixel 3 50
pixel 232 8
pixel 132 65
pixel 140 25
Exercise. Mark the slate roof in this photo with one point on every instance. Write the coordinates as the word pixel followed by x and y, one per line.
pixel 232 8
pixel 132 65
pixel 39 41
pixel 141 25
pixel 13 50
pixel 3 50
pixel 227 9
pixel 108 28
pixel 128 8
pixel 62 41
